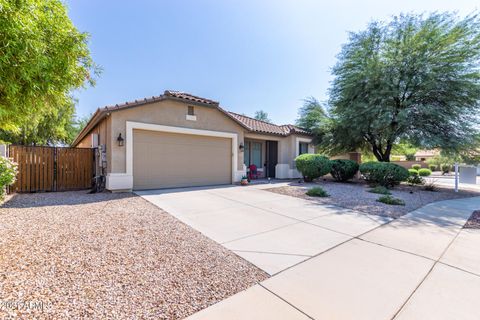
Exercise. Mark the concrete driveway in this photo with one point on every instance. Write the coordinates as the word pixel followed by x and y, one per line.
pixel 270 230
pixel 330 263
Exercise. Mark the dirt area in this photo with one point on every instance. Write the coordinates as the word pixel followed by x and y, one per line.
pixel 354 195
pixel 74 255
pixel 474 221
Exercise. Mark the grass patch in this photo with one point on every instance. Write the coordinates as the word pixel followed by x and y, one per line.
pixel 317 192
pixel 379 190
pixel 388 199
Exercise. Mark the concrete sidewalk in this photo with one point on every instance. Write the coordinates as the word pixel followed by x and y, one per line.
pixel 420 266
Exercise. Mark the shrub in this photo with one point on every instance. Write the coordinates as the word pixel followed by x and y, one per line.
pixel 8 173
pixel 343 170
pixel 430 186
pixel 415 180
pixel 312 166
pixel 387 199
pixel 383 173
pixel 416 166
pixel 413 172
pixel 379 190
pixel 424 172
pixel 317 192
pixel 445 168
pixel 432 167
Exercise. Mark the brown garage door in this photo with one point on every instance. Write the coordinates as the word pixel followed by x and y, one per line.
pixel 168 160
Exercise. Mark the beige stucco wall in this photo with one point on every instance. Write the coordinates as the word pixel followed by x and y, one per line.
pixel 287 146
pixel 284 145
pixel 169 113
pixel 355 156
pixel 103 130
pixel 173 113
pixel 287 151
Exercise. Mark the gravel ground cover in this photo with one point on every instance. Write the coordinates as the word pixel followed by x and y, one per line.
pixel 73 255
pixel 354 195
pixel 474 221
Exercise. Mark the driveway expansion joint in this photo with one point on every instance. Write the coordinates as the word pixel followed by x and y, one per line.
pixel 437 261
pixel 268 252
pixel 287 302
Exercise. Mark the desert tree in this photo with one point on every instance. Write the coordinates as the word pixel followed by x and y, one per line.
pixel 414 79
pixel 43 58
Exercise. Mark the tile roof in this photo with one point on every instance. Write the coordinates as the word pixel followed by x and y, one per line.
pixel 190 97
pixel 168 94
pixel 250 124
pixel 266 127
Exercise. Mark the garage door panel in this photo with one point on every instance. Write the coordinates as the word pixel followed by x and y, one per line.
pixel 165 160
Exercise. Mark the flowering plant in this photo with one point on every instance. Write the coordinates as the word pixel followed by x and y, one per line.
pixel 8 174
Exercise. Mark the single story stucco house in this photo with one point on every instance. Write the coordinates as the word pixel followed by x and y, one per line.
pixel 178 140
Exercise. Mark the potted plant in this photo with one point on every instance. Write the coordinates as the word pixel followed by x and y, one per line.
pixel 244 181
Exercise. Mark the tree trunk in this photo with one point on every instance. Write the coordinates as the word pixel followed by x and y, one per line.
pixel 382 156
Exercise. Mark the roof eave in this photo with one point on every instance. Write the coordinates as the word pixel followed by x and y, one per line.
pixel 94 120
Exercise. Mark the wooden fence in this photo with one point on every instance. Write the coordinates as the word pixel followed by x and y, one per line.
pixel 52 168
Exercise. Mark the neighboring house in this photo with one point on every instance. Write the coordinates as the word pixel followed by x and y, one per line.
pixel 179 140
pixel 423 155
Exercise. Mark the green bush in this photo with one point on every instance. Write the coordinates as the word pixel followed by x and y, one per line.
pixel 413 172
pixel 383 173
pixel 379 190
pixel 415 180
pixel 416 166
pixel 424 172
pixel 8 174
pixel 312 166
pixel 445 168
pixel 432 167
pixel 387 199
pixel 343 170
pixel 317 192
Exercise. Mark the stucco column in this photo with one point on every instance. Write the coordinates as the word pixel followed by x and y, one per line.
pixel 355 156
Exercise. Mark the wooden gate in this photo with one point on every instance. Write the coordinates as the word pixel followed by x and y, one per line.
pixel 52 168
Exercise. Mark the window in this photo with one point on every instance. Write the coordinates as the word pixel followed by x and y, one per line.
pixel 191 111
pixel 256 154
pixel 303 148
pixel 252 154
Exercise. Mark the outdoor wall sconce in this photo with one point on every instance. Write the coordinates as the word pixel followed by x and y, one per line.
pixel 241 147
pixel 120 140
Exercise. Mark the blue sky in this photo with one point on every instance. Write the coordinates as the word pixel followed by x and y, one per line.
pixel 249 55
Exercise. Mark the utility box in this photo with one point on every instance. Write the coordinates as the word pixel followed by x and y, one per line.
pixel 468 174
pixel 3 150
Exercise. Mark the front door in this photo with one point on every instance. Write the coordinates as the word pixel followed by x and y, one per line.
pixel 271 158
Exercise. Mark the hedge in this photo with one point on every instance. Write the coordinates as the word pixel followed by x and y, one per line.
pixel 383 173
pixel 343 169
pixel 312 166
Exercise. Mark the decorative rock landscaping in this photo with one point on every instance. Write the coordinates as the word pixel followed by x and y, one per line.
pixel 355 195
pixel 76 255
